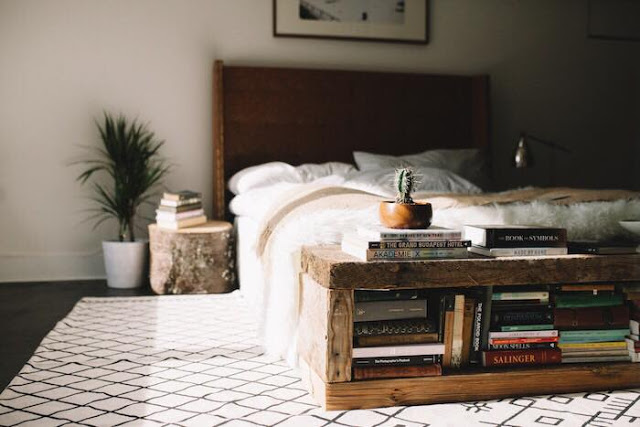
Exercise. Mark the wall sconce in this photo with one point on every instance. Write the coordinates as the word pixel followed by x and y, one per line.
pixel 522 157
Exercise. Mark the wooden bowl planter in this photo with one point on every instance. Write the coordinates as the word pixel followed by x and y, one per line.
pixel 405 215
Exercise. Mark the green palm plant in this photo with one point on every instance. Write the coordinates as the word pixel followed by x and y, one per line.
pixel 129 156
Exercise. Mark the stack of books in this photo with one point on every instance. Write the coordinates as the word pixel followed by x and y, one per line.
pixel 393 337
pixel 516 240
pixel 370 243
pixel 631 292
pixel 180 210
pixel 522 329
pixel 593 320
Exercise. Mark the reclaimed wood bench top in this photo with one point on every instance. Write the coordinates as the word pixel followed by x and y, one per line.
pixel 332 268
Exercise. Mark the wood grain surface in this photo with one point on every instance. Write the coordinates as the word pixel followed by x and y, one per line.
pixel 332 268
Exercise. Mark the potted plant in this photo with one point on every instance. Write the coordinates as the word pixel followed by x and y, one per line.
pixel 404 212
pixel 129 159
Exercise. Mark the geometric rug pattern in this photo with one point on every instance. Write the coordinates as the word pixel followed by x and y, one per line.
pixel 195 360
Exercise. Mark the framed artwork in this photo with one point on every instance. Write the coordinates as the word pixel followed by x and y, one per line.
pixel 401 21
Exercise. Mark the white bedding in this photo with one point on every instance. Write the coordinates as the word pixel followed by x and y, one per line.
pixel 270 282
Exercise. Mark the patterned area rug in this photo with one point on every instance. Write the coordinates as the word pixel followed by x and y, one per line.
pixel 195 361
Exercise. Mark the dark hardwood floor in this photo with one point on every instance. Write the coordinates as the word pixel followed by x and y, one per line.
pixel 28 311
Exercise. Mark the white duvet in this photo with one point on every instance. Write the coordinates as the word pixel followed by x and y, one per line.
pixel 276 299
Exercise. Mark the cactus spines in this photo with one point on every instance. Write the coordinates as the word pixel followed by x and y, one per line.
pixel 405 181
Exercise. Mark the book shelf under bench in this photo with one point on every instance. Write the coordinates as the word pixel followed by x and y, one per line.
pixel 326 327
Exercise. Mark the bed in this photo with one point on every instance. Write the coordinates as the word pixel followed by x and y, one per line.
pixel 284 141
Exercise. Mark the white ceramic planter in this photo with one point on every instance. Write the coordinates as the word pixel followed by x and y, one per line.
pixel 127 263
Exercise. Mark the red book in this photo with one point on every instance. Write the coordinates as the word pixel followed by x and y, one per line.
pixel 521 357
pixel 370 372
pixel 500 341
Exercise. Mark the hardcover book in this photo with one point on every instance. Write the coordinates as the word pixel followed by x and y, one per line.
pixel 524 346
pixel 523 334
pixel 178 209
pixel 390 310
pixel 516 296
pixel 181 195
pixel 177 203
pixel 398 350
pixel 402 254
pixel 521 357
pixel 380 340
pixel 592 317
pixel 528 317
pixel 592 359
pixel 358 241
pixel 392 327
pixel 397 360
pixel 182 223
pixel 594 335
pixel 531 340
pixel 534 251
pixel 363 373
pixel 603 248
pixel 386 295
pixel 515 236
pixel 379 233
pixel 573 300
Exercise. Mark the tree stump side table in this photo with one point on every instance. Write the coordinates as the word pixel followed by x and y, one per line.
pixel 194 260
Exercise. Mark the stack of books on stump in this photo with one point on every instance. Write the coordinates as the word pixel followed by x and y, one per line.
pixel 593 320
pixel 393 336
pixel 631 293
pixel 180 210
pixel 370 243
pixel 516 240
pixel 522 330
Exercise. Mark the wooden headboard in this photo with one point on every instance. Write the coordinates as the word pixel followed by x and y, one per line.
pixel 313 116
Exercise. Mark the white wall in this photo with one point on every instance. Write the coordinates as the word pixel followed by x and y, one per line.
pixel 63 61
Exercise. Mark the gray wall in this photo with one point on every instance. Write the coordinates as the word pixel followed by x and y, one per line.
pixel 63 61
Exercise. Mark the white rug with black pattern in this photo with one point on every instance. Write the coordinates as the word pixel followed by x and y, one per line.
pixel 195 361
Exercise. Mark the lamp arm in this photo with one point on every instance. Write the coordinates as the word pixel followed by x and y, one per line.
pixel 547 143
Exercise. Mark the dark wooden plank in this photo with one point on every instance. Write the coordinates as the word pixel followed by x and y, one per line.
pixel 478 386
pixel 332 268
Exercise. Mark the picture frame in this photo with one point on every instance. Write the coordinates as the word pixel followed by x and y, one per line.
pixel 397 21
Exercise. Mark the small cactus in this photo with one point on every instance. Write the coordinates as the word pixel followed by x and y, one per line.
pixel 405 181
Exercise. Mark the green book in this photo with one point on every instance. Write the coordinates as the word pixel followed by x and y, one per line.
pixel 596 335
pixel 588 300
pixel 511 328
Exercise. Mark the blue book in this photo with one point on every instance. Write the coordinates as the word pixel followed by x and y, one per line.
pixel 596 335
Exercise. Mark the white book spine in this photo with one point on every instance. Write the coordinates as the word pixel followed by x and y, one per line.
pixel 400 350
pixel 524 334
pixel 516 296
pixel 518 251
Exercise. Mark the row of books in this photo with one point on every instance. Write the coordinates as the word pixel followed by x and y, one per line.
pixel 409 333
pixel 373 243
pixel 180 210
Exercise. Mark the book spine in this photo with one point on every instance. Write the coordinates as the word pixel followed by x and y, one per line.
pixel 486 318
pixel 527 251
pixel 389 327
pixel 591 345
pixel 521 317
pixel 178 203
pixel 521 357
pixel 391 254
pixel 402 294
pixel 522 340
pixel 524 346
pixel 398 350
pixel 458 326
pixel 397 372
pixel 390 310
pixel 523 334
pixel 381 340
pixel 523 238
pixel 436 235
pixel 577 301
pixel 476 341
pixel 596 335
pixel 517 296
pixel 513 328
pixel 396 361
pixel 421 244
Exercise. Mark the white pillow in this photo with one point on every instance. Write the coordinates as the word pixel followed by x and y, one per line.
pixel 430 180
pixel 262 176
pixel 313 171
pixel 467 162
pixel 271 173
